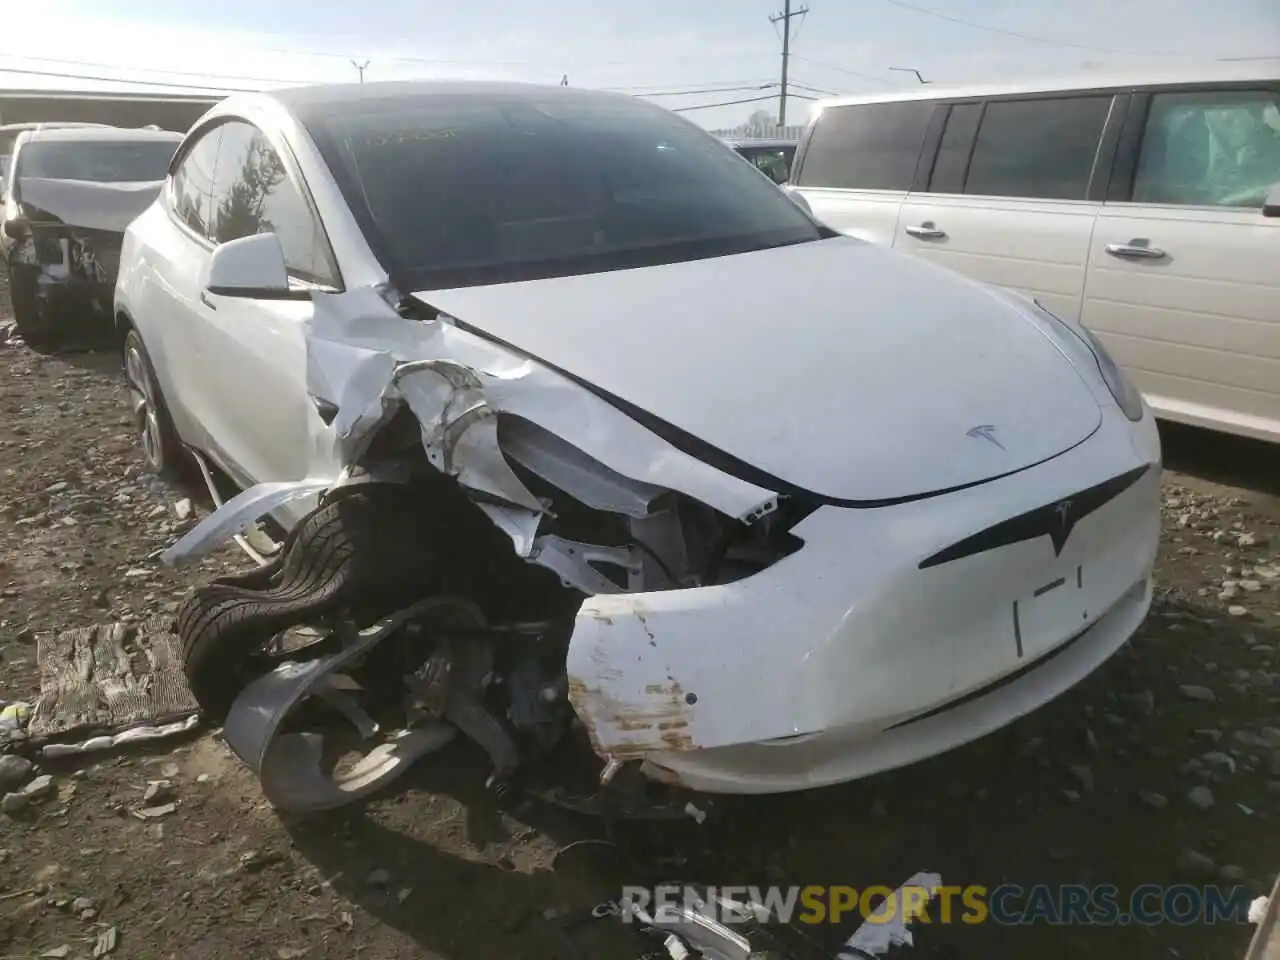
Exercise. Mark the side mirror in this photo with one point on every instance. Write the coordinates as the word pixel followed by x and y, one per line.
pixel 1271 205
pixel 251 267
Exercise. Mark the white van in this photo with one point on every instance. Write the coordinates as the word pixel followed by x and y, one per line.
pixel 1148 208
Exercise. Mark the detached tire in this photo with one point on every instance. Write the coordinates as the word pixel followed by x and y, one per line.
pixel 366 552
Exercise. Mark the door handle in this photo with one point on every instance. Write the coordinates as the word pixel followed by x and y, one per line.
pixel 927 231
pixel 204 298
pixel 1137 249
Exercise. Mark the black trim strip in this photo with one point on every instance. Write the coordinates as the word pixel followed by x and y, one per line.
pixel 260 293
pixel 1054 585
pixel 995 685
pixel 719 459
pixel 1017 629
pixel 1055 520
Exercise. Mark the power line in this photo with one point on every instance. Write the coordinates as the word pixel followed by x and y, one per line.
pixel 831 66
pixel 207 88
pixel 154 70
pixel 686 93
pixel 734 103
pixel 725 103
pixel 812 89
pixel 708 83
pixel 1010 33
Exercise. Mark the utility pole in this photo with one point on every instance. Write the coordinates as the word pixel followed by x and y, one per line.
pixel 785 19
pixel 361 67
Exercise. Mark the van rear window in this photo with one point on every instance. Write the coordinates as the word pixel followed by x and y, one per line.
pixel 866 146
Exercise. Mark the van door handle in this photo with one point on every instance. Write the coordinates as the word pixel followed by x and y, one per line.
pixel 1137 249
pixel 204 298
pixel 927 231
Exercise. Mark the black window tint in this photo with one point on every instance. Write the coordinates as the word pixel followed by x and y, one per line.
pixel 1037 148
pixel 953 151
pixel 481 189
pixel 253 194
pixel 871 146
pixel 193 181
pixel 1218 148
pixel 98 161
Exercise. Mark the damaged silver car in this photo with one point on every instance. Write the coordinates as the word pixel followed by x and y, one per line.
pixel 70 192
pixel 587 443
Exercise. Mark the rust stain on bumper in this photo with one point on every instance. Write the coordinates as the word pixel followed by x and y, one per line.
pixel 659 722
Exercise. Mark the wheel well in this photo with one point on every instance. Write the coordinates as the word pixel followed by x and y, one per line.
pixel 123 324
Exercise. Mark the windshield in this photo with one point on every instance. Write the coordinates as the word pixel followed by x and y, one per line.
pixel 472 190
pixel 100 161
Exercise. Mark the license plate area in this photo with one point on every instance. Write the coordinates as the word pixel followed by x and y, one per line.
pixel 1052 613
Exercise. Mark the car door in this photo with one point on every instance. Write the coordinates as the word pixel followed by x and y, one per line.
pixel 1184 271
pixel 858 163
pixel 175 238
pixel 1008 198
pixel 254 350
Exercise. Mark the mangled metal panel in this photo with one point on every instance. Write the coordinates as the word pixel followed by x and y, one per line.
pixel 364 361
pixel 92 205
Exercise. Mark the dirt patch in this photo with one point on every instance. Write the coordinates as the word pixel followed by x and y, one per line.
pixel 1120 782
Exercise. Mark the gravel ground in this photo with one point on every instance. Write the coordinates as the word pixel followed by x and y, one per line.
pixel 1163 767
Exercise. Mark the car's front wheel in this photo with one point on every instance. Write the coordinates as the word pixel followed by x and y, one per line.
pixel 157 438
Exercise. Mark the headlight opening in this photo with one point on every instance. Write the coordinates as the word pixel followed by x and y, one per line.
pixel 1126 395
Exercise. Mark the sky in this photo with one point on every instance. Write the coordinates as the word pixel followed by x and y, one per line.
pixel 725 50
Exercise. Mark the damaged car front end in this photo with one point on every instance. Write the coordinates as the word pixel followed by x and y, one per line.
pixel 71 192
pixel 553 492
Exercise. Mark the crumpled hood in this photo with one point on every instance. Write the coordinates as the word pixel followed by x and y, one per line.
pixel 84 203
pixel 835 366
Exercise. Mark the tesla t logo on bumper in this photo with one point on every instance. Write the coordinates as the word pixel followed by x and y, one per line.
pixel 1066 520
pixel 984 431
pixel 1055 520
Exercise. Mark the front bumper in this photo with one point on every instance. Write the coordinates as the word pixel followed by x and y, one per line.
pixel 805 674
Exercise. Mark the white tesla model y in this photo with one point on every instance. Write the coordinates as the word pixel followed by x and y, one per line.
pixel 757 505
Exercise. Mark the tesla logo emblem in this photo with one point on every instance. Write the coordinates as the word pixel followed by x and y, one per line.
pixel 984 431
pixel 1065 523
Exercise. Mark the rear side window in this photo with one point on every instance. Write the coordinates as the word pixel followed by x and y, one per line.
pixel 193 181
pixel 1217 149
pixel 1037 148
pixel 871 146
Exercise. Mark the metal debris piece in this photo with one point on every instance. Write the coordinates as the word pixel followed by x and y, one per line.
pixel 106 942
pixel 154 813
pixel 698 815
pixel 157 790
pixel 888 925
pixel 289 765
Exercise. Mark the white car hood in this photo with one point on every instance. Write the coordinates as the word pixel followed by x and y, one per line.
pixel 837 367
pixel 89 204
